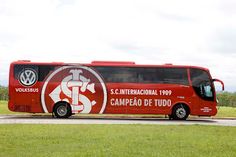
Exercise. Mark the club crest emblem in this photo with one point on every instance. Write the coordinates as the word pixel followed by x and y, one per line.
pixel 80 86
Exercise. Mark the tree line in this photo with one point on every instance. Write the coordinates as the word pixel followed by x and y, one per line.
pixel 227 99
pixel 3 93
pixel 224 98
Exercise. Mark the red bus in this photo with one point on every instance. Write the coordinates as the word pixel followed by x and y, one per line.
pixel 111 88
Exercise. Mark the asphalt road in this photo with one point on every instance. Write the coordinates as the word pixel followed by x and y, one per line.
pixel 28 119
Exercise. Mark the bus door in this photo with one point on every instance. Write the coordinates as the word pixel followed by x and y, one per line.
pixel 205 91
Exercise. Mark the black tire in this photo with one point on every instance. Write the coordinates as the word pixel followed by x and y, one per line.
pixel 62 110
pixel 180 112
pixel 170 117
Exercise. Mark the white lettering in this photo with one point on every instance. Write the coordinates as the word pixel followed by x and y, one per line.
pixel 27 90
pixel 133 92
pixel 147 102
pixel 162 102
pixel 126 102
pixel 165 92
pixel 112 91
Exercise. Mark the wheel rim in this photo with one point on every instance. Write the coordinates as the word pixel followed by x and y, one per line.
pixel 62 110
pixel 181 113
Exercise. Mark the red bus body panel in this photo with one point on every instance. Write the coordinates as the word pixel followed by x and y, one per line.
pixel 121 98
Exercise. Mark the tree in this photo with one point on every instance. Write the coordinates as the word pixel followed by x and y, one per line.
pixel 227 99
pixel 3 93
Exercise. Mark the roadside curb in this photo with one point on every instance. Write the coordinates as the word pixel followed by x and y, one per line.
pixel 158 117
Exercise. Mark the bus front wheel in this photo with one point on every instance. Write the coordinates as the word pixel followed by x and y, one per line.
pixel 62 110
pixel 180 112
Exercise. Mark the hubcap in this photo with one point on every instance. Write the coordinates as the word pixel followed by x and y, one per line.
pixel 62 110
pixel 181 112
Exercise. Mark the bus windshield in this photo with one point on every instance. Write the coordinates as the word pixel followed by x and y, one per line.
pixel 202 84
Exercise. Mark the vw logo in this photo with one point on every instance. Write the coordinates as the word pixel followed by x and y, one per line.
pixel 28 77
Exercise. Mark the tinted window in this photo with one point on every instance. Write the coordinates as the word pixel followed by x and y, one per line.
pixel 202 84
pixel 44 70
pixel 164 75
pixel 118 74
pixel 144 75
pixel 41 70
pixel 20 68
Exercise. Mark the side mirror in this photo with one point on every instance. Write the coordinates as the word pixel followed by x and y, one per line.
pixel 221 82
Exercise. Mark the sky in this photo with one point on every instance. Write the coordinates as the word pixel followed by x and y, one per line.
pixel 181 32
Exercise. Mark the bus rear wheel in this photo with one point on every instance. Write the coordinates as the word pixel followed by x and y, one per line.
pixel 180 112
pixel 62 110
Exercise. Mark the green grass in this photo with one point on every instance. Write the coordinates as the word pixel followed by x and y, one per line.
pixel 4 108
pixel 117 140
pixel 222 111
pixel 226 112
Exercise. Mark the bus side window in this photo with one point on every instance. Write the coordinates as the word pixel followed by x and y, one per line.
pixel 19 68
pixel 118 74
pixel 206 90
pixel 44 70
